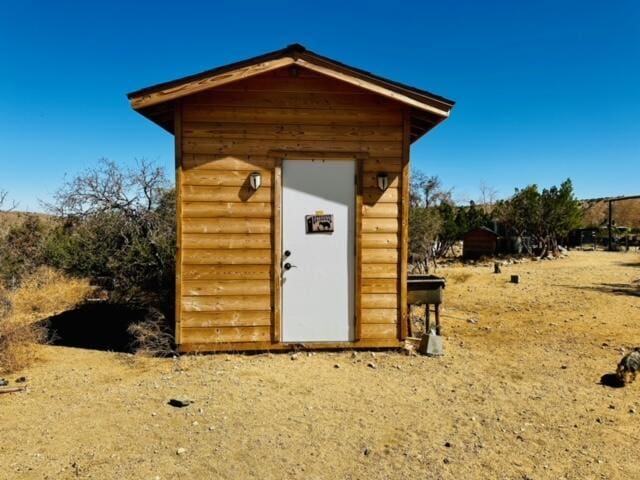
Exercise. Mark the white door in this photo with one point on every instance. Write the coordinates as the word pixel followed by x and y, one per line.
pixel 318 272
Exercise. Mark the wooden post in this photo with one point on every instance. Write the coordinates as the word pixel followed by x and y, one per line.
pixel 276 285
pixel 357 304
pixel 404 227
pixel 177 134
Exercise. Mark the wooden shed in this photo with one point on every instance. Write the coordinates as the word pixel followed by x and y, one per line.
pixel 481 241
pixel 292 178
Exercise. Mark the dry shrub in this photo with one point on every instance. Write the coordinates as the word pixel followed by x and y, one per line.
pixel 16 343
pixel 47 292
pixel 42 294
pixel 16 337
pixel 153 337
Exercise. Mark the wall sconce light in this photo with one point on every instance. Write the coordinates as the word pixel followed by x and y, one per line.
pixel 383 181
pixel 255 180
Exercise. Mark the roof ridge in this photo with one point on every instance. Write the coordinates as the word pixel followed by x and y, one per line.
pixel 294 50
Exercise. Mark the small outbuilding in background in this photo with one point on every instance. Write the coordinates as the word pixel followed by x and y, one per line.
pixel 481 241
pixel 292 180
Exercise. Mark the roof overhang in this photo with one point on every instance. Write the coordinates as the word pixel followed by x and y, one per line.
pixel 156 102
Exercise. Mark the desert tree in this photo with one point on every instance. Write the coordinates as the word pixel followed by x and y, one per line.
pixel 427 198
pixel 117 226
pixel 436 223
pixel 544 216
pixel 561 213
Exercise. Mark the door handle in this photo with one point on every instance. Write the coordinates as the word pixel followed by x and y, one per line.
pixel 288 266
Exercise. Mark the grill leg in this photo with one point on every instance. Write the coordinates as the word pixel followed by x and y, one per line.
pixel 437 308
pixel 426 319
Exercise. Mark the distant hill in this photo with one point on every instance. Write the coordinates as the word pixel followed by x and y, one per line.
pixel 626 213
pixel 7 219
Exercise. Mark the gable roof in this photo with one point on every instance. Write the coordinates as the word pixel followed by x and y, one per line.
pixel 156 102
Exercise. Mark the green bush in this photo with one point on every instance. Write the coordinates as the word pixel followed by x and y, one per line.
pixel 22 249
pixel 117 228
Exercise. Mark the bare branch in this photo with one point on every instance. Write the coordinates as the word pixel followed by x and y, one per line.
pixel 109 188
pixel 3 199
pixel 488 197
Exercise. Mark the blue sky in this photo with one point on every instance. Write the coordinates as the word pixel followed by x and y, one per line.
pixel 545 90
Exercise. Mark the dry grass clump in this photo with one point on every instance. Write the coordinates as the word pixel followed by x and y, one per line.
pixel 44 293
pixel 153 337
pixel 16 337
pixel 47 292
pixel 16 343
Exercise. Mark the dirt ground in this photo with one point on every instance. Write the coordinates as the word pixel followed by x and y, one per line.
pixel 517 396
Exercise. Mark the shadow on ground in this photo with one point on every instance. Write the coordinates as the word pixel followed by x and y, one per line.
pixel 96 326
pixel 632 289
pixel 611 380
pixel 631 264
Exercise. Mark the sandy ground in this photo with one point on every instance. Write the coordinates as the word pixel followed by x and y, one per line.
pixel 516 396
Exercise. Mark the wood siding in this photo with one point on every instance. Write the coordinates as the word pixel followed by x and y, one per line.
pixel 228 237
pixel 479 242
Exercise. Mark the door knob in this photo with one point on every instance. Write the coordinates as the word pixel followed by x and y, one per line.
pixel 287 253
pixel 288 266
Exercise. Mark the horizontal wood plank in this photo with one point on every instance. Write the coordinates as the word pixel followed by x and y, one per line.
pixel 281 83
pixel 193 256
pixel 215 272
pixel 226 209
pixel 221 178
pixel 380 315
pixel 262 147
pixel 225 334
pixel 245 163
pixel 371 196
pixel 379 225
pixel 379 300
pixel 276 99
pixel 380 210
pixel 374 270
pixel 380 255
pixel 226 319
pixel 383 330
pixel 226 287
pixel 379 240
pixel 226 240
pixel 229 302
pixel 299 132
pixel 370 180
pixel 379 285
pixel 290 116
pixel 382 164
pixel 204 193
pixel 226 225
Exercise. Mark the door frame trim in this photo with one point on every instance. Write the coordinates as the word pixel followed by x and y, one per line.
pixel 276 228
